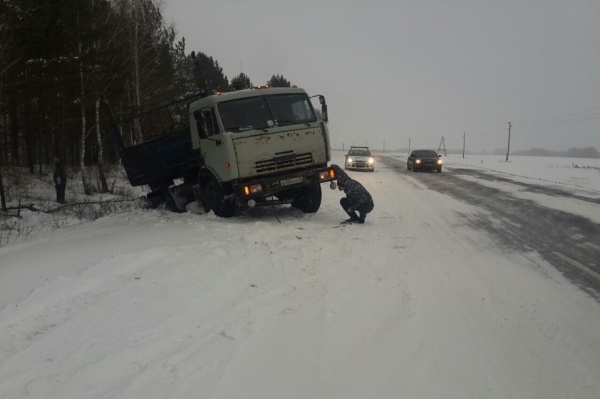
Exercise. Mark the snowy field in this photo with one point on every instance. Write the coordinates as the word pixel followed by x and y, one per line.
pixel 571 174
pixel 412 304
pixel 577 176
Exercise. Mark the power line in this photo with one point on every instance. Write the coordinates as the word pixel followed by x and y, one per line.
pixel 565 123
pixel 561 117
pixel 564 120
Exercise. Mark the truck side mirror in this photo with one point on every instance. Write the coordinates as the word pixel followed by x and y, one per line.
pixel 323 108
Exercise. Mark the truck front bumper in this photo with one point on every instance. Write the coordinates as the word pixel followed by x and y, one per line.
pixel 269 186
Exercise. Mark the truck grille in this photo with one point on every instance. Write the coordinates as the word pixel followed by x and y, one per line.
pixel 283 161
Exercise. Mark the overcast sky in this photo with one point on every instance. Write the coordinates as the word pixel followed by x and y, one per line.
pixel 394 71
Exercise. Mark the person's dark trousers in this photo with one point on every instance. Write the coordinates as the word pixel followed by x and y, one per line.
pixel 60 193
pixel 345 203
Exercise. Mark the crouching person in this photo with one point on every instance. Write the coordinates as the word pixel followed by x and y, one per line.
pixel 357 197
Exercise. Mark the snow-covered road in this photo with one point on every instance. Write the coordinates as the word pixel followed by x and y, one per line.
pixel 413 304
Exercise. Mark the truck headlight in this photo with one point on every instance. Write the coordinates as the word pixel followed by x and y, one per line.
pixel 324 175
pixel 249 190
pixel 439 161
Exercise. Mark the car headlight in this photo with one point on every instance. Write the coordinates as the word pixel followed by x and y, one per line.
pixel 349 160
pixel 418 161
pixel 371 161
pixel 439 161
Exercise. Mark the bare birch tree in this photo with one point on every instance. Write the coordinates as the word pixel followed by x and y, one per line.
pixel 149 44
pixel 108 67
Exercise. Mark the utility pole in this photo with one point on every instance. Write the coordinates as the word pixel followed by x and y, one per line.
pixel 508 149
pixel 463 144
pixel 440 147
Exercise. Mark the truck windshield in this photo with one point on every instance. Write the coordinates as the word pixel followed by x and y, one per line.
pixel 266 111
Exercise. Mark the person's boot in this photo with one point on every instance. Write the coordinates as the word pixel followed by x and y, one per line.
pixel 361 218
pixel 353 217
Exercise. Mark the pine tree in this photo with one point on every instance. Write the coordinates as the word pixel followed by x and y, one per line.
pixel 210 74
pixel 278 81
pixel 241 81
pixel 184 83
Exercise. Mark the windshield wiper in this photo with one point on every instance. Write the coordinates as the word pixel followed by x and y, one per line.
pixel 244 128
pixel 285 123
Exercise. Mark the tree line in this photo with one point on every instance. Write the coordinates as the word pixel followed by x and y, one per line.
pixel 70 68
pixel 573 152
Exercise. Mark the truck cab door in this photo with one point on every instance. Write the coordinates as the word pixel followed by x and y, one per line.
pixel 210 137
pixel 206 123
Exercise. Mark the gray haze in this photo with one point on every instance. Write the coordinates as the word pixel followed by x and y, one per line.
pixel 394 71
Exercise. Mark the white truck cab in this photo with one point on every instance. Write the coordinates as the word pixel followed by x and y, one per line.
pixel 260 145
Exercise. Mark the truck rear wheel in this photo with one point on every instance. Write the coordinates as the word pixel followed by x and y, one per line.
pixel 309 199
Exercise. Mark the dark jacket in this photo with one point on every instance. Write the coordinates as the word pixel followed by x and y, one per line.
pixel 60 177
pixel 359 197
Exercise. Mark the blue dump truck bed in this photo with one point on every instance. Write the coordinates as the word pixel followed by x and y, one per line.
pixel 167 154
pixel 159 161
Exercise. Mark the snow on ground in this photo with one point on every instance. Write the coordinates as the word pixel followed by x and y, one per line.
pixel 576 175
pixel 414 304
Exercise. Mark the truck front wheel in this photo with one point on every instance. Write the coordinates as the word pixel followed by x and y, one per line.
pixel 309 199
pixel 213 198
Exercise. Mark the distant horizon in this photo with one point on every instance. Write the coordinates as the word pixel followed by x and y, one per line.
pixel 572 152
